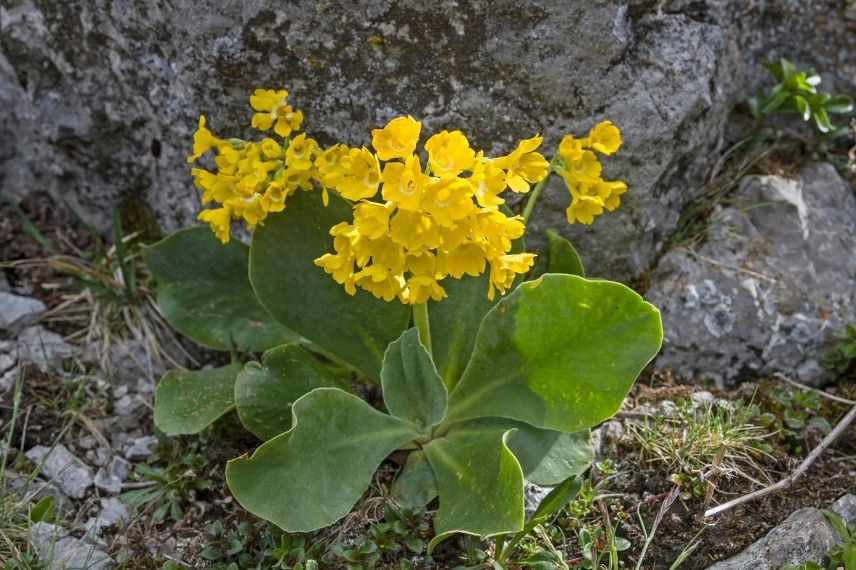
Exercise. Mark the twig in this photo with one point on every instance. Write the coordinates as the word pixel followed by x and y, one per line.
pixel 832 397
pixel 799 471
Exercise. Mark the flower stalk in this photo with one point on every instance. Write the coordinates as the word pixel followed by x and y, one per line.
pixel 420 319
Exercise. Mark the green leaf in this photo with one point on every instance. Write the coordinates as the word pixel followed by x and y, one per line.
pixel 356 329
pixel 480 484
pixel 754 105
pixel 549 457
pixel 559 353
pixel 205 294
pixel 412 388
pixel 802 107
pixel 838 104
pixel 416 485
pixel 265 392
pixel 188 401
pixel 563 258
pixel 774 101
pixel 837 523
pixel 788 70
pixel 311 476
pixel 555 501
pixel 821 120
pixel 44 510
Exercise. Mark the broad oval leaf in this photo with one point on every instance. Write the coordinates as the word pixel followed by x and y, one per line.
pixel 480 484
pixel 412 388
pixel 205 294
pixel 559 353
pixel 265 392
pixel 188 401
pixel 311 476
pixel 356 329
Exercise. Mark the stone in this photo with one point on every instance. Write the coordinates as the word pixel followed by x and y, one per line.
pixel 111 477
pixel 17 312
pixel 140 448
pixel 805 536
pixel 124 82
pixel 59 551
pixel 113 512
pixel 771 282
pixel 59 465
pixel 532 496
pixel 42 347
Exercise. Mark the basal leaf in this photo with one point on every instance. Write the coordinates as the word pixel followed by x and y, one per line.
pixel 480 484
pixel 562 257
pixel 205 294
pixel 559 353
pixel 188 401
pixel 412 388
pixel 265 392
pixel 415 485
pixel 311 476
pixel 356 329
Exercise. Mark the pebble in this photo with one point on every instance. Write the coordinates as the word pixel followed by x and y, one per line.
pixel 140 448
pixel 71 475
pixel 17 312
pixel 59 551
pixel 43 348
pixel 111 477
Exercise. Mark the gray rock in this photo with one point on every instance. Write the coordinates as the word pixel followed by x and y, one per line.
pixel 113 512
pixel 44 348
pixel 774 277
pixel 804 536
pixel 72 475
pixel 140 448
pixel 532 496
pixel 111 477
pixel 62 552
pixel 123 83
pixel 17 312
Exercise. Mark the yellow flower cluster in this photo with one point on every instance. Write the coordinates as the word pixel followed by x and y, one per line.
pixel 253 179
pixel 443 221
pixel 581 170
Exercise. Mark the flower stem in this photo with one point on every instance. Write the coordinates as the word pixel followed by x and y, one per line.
pixel 536 192
pixel 420 319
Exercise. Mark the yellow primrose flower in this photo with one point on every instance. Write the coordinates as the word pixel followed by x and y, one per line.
pixel 271 149
pixel 372 219
pixel 357 175
pixel 571 149
pixel 421 288
pixel 404 183
pixel 203 141
pixel 467 259
pixel 379 281
pixel 505 268
pixel 488 182
pixel 397 139
pixel 584 208
pixel 449 200
pixel 586 169
pixel 605 138
pixel 301 152
pixel 449 153
pixel 415 230
pixel 220 220
pixel 524 166
pixel 610 192
pixel 274 111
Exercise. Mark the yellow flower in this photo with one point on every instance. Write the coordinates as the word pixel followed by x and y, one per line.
pixel 301 152
pixel 404 183
pixel 584 208
pixel 524 166
pixel 488 182
pixel 571 149
pixel 586 169
pixel 397 139
pixel 449 200
pixel 610 192
pixel 203 141
pixel 271 149
pixel 504 269
pixel 273 200
pixel 605 138
pixel 274 111
pixel 421 288
pixel 219 219
pixel 467 259
pixel 357 175
pixel 372 219
pixel 379 281
pixel 449 153
pixel 415 230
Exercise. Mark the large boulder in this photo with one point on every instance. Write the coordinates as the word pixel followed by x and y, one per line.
pixel 773 279
pixel 100 97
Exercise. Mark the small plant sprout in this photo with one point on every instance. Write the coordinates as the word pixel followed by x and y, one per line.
pixel 401 267
pixel 796 92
